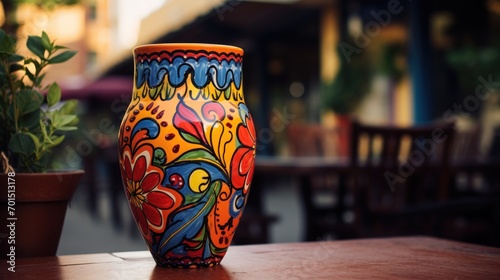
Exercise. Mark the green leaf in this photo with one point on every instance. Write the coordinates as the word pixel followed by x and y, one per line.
pixel 59 48
pixel 21 143
pixel 75 121
pixel 194 197
pixel 35 45
pixel 15 57
pixel 57 140
pixel 46 42
pixel 35 139
pixel 15 67
pixel 28 100
pixel 227 93
pixel 69 107
pixel 66 119
pixel 30 75
pixel 190 138
pixel 197 154
pixel 62 57
pixel 67 128
pixel 40 79
pixel 10 112
pixel 53 116
pixel 7 43
pixel 43 129
pixel 30 121
pixel 54 95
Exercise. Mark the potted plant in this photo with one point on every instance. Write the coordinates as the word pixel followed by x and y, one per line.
pixel 342 96
pixel 33 199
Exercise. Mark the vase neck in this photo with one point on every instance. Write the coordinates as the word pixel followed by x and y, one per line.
pixel 178 73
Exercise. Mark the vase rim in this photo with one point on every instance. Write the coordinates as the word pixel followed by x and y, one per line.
pixel 187 46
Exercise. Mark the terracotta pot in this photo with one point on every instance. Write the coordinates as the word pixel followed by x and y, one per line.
pixel 38 203
pixel 187 151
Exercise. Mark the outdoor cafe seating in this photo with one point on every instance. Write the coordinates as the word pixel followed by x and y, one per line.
pixel 401 177
pixel 397 181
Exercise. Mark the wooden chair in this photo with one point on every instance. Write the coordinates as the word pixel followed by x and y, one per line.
pixel 475 193
pixel 473 209
pixel 320 193
pixel 401 178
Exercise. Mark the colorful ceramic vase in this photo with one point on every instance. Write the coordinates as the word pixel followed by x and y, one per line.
pixel 187 151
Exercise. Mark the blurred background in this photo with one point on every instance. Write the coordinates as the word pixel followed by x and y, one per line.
pixel 324 62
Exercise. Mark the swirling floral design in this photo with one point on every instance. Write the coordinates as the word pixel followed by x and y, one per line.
pixel 244 157
pixel 142 182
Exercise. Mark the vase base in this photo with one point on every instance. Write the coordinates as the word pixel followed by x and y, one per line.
pixel 188 263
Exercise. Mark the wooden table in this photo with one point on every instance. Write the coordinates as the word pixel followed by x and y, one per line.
pixel 387 258
pixel 297 166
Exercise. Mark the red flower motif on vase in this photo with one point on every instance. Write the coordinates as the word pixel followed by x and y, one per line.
pixel 188 121
pixel 242 163
pixel 147 201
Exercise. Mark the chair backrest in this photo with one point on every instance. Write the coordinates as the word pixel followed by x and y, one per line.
pixel 466 145
pixel 389 146
pixel 401 165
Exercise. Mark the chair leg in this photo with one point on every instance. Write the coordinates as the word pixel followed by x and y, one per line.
pixel 306 194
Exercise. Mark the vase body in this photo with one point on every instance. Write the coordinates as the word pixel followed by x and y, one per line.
pixel 187 150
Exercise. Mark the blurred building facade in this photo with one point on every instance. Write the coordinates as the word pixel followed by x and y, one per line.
pixel 104 31
pixel 405 49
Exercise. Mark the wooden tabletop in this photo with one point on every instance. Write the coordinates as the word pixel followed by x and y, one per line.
pixel 301 165
pixel 384 258
pixel 304 165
